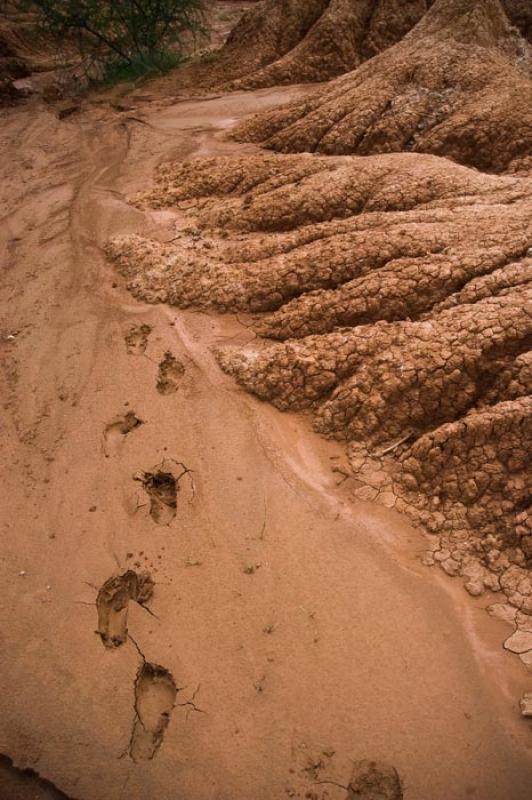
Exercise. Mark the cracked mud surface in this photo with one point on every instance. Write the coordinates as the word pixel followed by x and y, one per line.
pixel 411 340
pixel 459 85
pixel 300 41
pixel 305 41
pixel 275 585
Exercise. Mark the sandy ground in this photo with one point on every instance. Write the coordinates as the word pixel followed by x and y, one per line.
pixel 301 630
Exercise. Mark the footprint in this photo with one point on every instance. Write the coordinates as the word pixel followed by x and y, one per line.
pixel 171 372
pixel 137 339
pixel 118 428
pixel 162 489
pixel 162 486
pixel 374 780
pixel 155 696
pixel 112 604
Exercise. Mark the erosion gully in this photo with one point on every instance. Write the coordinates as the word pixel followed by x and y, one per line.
pixel 295 630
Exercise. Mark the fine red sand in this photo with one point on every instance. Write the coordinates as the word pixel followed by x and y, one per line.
pixel 232 380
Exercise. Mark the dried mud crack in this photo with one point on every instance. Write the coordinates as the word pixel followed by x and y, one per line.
pixel 399 288
pixel 459 85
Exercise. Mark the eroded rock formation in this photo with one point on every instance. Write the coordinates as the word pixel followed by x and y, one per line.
pixel 296 41
pixel 342 34
pixel 393 236
pixel 459 84
pixel 399 288
pixel 299 41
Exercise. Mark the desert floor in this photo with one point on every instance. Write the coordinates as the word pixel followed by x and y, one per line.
pixel 297 629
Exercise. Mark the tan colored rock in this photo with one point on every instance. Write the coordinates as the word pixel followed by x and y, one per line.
pixel 519 642
pixel 475 587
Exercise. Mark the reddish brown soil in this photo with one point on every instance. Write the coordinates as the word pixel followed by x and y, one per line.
pixel 16 784
pixel 341 35
pixel 459 85
pixel 301 41
pixel 434 311
pixel 200 597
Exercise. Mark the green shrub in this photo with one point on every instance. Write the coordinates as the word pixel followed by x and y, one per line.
pixel 122 37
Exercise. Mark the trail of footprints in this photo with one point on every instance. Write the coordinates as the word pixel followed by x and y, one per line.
pixel 155 687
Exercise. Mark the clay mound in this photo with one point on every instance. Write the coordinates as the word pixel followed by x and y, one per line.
pixel 299 41
pixel 265 32
pixel 346 33
pixel 377 384
pixel 400 288
pixel 393 236
pixel 459 84
pixel 475 474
